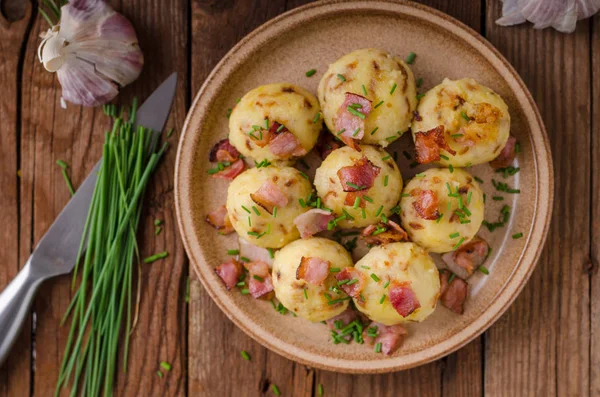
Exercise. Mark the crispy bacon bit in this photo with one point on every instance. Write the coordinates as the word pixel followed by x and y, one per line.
pixel 219 219
pixel 223 151
pixel 426 204
pixel 312 222
pixel 229 272
pixel 269 196
pixel 353 125
pixel 428 145
pixel 390 336
pixel 313 270
pixel 454 294
pixel 403 298
pixel 485 113
pixel 466 259
pixel 359 176
pixel 506 156
pixel 286 144
pixel 260 284
pixel 351 273
pixel 327 144
pixel 392 232
pixel 232 171
pixel 346 317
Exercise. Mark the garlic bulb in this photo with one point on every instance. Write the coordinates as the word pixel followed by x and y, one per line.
pixel 562 15
pixel 94 51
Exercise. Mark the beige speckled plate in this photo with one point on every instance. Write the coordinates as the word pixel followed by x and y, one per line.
pixel 312 37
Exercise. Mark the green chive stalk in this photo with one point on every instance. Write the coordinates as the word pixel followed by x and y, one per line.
pixel 103 308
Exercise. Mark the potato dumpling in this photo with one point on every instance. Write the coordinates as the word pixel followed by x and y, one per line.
pixel 393 274
pixel 263 202
pixel 475 120
pixel 307 298
pixel 372 169
pixel 277 122
pixel 386 81
pixel 453 196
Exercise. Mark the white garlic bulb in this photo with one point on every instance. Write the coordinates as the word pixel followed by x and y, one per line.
pixel 94 51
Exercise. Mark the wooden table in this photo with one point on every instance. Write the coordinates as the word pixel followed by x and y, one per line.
pixel 547 343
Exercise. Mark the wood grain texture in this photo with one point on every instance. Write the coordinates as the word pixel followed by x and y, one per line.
pixel 75 135
pixel 541 346
pixel 594 260
pixel 15 376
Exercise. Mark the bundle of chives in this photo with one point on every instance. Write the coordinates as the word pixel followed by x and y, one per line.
pixel 101 308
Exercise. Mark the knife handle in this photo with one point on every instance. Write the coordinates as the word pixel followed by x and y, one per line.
pixel 15 302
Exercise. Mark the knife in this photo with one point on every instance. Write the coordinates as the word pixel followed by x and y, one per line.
pixel 56 253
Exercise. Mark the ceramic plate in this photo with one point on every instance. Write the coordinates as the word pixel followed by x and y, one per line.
pixel 314 36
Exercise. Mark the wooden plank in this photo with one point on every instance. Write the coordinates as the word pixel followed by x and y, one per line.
pixel 15 374
pixel 594 261
pixel 76 135
pixel 540 347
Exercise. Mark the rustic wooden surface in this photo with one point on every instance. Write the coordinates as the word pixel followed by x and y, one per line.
pixel 547 344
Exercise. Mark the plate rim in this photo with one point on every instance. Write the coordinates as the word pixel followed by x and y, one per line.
pixel 527 260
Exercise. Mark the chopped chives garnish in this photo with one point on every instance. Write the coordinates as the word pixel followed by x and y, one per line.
pixel 317 117
pixel 386 284
pixel 339 76
pixel 363 213
pixel 385 181
pixel 281 127
pixel 256 211
pixel 439 218
pixel 266 124
pixel 334 269
pixel 378 347
pixel 460 203
pixel 478 179
pixel 517 235
pixel 233 252
pixel 366 267
pixel 356 202
pixel 393 88
pixel 305 294
pixel 382 299
pixel 456 136
pixel 259 278
pixel 462 240
pixel 310 72
pixel 451 278
pixel 340 131
pixel 419 82
pixel 355 186
pixel 513 191
pixel 498 198
pixel 353 281
pixel 419 96
pixel 367 198
pixel 464 116
pixel 449 188
pixel 420 175
pixel 406 155
pixel 303 175
pixel 157 230
pixel 245 291
pixel 271 254
pixel 379 211
pixel 246 209
pixel 241 284
pixel 166 365
pixel 356 131
pixel 411 58
pixel 245 354
pixel 275 212
pixel 250 221
pixel 364 90
pixel 483 270
pixel 386 158
pixel 454 235
pixel 374 277
pixel 374 130
pixel 469 197
pixel 320 390
pixel 156 257
pixel 160 374
pixel 391 138
pixel 157 222
pixel 444 157
pixel 405 194
pixel 450 168
pixel 517 147
pixel 347 215
pixel 275 390
pixel 379 104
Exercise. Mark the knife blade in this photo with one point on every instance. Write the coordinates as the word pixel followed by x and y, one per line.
pixel 56 253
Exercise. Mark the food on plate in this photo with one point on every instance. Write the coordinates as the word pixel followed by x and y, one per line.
pixel 368 96
pixel 467 258
pixel 386 338
pixel 262 204
pixel 360 187
pixel 396 283
pixel 275 122
pixel 441 209
pixel 304 278
pixel 453 291
pixel 229 163
pixel 219 219
pixel 460 123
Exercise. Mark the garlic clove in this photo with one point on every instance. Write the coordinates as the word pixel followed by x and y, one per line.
pixel 95 49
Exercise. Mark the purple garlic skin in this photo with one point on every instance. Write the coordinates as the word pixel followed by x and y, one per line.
pixel 94 51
